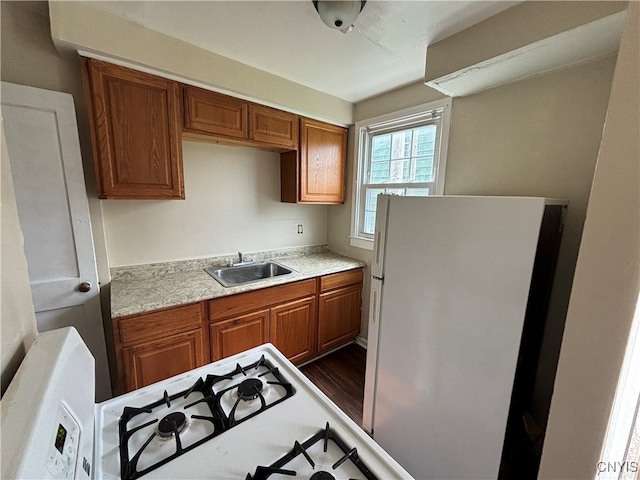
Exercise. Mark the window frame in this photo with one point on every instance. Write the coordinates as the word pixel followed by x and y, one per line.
pixel 388 123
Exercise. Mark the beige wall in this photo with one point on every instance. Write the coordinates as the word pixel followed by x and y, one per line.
pixel 28 57
pixel 542 139
pixel 232 204
pixel 606 284
pixel 232 192
pixel 81 25
pixel 536 137
pixel 17 317
pixel 514 28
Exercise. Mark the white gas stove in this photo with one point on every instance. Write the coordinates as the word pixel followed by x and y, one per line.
pixel 250 416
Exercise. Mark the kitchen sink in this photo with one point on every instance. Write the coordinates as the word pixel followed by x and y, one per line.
pixel 243 274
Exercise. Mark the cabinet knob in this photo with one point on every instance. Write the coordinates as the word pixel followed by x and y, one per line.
pixel 84 287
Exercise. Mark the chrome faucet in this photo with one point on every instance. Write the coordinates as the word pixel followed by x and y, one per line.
pixel 241 261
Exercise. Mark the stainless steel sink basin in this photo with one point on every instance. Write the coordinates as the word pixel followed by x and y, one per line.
pixel 243 274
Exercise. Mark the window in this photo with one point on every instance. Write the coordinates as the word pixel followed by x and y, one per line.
pixel 403 153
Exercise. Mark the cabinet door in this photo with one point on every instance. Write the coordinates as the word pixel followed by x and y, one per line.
pixel 238 334
pixel 135 123
pixel 292 329
pixel 338 317
pixel 216 114
pixel 268 125
pixel 323 155
pixel 156 360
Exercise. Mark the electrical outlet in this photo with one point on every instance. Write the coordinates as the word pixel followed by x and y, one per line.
pixel 300 229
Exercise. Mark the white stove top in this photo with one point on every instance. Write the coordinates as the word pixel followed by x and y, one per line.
pixel 220 435
pixel 257 441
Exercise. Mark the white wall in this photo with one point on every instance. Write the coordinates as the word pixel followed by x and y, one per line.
pixel 535 137
pixel 82 25
pixel 17 316
pixel 606 284
pixel 232 192
pixel 232 204
pixel 514 28
pixel 30 58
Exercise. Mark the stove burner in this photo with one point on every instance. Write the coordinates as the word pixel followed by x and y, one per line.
pixel 322 475
pixel 323 437
pixel 250 388
pixel 172 422
pixel 208 416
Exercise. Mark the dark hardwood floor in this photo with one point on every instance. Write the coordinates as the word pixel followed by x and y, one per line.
pixel 340 376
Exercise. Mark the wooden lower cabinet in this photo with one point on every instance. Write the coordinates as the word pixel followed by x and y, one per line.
pixel 153 346
pixel 238 334
pixel 302 319
pixel 339 309
pixel 340 314
pixel 153 361
pixel 292 329
pixel 284 315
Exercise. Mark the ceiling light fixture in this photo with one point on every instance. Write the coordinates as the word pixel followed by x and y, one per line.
pixel 339 14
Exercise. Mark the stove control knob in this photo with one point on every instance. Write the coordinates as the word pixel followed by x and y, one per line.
pixel 84 287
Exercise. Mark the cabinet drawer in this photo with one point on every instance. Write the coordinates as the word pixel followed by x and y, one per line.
pixel 268 125
pixel 159 324
pixel 342 279
pixel 221 308
pixel 212 113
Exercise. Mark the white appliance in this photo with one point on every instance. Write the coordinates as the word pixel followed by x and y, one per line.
pixel 253 416
pixel 450 285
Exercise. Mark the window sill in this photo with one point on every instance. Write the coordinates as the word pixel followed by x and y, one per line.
pixel 359 242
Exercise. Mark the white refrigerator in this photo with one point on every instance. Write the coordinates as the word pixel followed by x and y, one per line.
pixel 451 278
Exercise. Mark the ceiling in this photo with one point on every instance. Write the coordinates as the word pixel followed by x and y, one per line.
pixel 384 51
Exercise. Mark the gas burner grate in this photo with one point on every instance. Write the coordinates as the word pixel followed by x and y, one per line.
pixel 324 437
pixel 250 389
pixel 169 426
pixel 247 382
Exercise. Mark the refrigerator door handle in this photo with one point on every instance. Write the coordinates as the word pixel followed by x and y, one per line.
pixel 374 306
pixel 378 243
pixel 377 264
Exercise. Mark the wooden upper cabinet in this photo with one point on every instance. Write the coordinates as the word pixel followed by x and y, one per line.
pixel 135 120
pixel 268 125
pixel 221 116
pixel 316 172
pixel 212 113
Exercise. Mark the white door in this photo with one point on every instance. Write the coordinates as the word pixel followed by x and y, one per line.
pixel 44 151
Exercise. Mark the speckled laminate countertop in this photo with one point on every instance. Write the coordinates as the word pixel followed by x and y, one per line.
pixel 181 283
